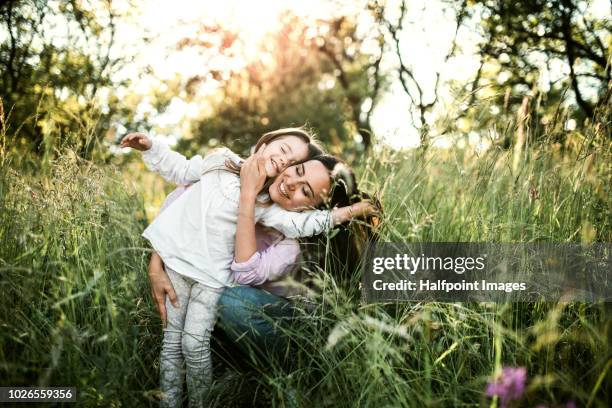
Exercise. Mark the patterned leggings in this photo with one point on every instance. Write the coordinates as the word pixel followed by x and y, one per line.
pixel 186 344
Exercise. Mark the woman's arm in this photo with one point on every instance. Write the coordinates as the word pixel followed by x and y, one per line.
pixel 246 244
pixel 158 278
pixel 267 265
pixel 252 179
pixel 171 165
pixel 160 286
pixel 252 267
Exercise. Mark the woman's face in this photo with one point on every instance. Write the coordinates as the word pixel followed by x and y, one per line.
pixel 301 186
pixel 283 152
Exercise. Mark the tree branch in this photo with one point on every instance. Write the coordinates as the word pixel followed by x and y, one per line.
pixel 571 57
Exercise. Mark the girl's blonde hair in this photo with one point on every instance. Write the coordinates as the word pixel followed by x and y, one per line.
pixel 314 148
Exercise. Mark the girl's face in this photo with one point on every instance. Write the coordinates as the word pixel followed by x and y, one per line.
pixel 283 152
pixel 301 186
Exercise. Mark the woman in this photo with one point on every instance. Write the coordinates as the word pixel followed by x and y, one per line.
pixel 194 237
pixel 265 260
pixel 263 256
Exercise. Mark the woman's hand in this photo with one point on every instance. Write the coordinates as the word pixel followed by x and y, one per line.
pixel 138 141
pixel 253 174
pixel 160 286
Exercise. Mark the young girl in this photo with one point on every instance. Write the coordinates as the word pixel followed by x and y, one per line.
pixel 195 239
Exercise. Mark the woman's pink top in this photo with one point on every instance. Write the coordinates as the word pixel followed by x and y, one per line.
pixel 273 260
pixel 274 257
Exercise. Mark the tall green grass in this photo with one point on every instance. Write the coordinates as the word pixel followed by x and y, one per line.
pixel 74 304
pixel 443 354
pixel 75 307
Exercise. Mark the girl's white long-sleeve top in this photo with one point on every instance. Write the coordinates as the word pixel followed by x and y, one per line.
pixel 195 235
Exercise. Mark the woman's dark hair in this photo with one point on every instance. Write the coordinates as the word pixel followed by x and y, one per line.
pixel 348 241
pixel 343 184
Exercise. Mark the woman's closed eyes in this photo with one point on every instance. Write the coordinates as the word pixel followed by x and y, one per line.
pixel 306 189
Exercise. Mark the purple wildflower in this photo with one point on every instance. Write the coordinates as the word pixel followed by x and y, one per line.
pixel 509 386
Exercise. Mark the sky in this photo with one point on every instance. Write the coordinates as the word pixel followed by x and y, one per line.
pixel 165 22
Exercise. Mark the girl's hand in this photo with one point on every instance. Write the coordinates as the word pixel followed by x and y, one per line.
pixel 160 286
pixel 138 141
pixel 362 209
pixel 365 208
pixel 253 174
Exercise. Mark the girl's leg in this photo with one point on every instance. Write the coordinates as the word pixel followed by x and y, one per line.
pixel 172 370
pixel 199 323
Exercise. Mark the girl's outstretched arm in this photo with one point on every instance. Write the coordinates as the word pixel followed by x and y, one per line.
pixel 294 224
pixel 171 165
pixel 313 222
pixel 138 141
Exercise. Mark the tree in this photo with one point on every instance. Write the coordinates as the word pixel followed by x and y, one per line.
pixel 305 74
pixel 527 37
pixel 423 101
pixel 56 59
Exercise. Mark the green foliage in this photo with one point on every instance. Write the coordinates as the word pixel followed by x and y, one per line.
pixel 75 308
pixel 56 74
pixel 464 197
pixel 443 354
pixel 74 305
pixel 525 47
pixel 305 75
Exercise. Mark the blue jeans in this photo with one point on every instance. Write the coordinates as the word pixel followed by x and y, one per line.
pixel 254 320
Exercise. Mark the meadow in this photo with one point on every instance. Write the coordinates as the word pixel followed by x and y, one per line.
pixel 75 306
